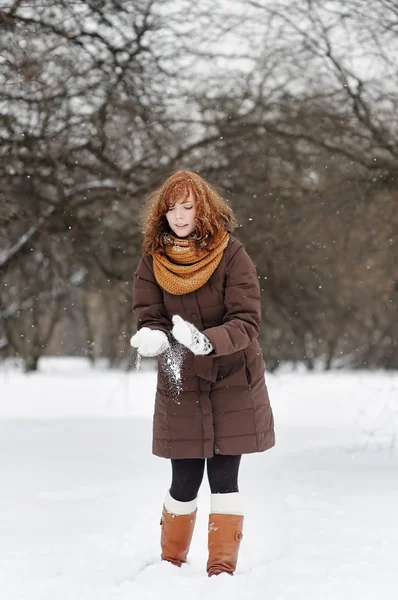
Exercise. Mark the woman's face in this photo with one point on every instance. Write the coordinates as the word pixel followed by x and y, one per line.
pixel 181 216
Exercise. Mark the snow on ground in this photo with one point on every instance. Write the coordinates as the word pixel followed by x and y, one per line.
pixel 81 493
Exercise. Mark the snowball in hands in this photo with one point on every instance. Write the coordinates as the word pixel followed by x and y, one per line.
pixel 189 336
pixel 150 342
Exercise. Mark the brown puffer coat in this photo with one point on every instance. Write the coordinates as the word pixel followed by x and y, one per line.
pixel 222 406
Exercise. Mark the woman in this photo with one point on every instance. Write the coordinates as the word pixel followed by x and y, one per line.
pixel 197 304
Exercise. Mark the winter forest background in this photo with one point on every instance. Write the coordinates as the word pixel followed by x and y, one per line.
pixel 289 108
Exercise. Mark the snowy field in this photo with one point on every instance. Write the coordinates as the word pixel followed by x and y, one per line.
pixel 81 493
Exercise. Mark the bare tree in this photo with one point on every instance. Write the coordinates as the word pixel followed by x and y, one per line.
pixel 289 109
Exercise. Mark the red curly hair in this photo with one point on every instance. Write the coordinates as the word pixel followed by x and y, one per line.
pixel 213 214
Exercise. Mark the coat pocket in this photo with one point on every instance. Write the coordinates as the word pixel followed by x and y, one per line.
pixel 247 370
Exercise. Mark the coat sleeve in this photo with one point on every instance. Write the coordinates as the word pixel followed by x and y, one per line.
pixel 148 305
pixel 243 307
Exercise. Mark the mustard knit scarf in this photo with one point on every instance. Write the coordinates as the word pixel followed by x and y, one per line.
pixel 183 269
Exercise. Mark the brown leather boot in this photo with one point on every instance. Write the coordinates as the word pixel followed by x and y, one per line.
pixel 225 534
pixel 176 536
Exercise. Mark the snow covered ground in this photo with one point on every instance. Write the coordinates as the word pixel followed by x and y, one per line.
pixel 81 493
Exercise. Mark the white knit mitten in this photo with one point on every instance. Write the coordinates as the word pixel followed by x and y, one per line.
pixel 150 342
pixel 188 335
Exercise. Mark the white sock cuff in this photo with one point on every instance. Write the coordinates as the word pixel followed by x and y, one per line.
pixel 226 504
pixel 179 508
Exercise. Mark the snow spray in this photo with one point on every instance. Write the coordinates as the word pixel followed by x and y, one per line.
pixel 171 365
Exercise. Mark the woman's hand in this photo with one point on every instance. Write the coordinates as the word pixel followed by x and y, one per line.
pixel 188 335
pixel 150 342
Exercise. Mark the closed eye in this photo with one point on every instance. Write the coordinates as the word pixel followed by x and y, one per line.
pixel 171 208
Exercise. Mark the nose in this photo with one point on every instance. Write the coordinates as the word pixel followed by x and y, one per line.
pixel 179 213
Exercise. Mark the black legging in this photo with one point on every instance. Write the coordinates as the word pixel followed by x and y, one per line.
pixel 222 472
